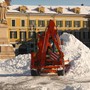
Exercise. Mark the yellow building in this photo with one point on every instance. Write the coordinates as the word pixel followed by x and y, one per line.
pixel 22 20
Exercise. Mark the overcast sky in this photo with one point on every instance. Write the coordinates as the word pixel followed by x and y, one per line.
pixel 51 2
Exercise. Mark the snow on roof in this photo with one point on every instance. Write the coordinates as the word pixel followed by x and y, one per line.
pixel 50 9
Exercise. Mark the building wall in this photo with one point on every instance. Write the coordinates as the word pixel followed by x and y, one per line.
pixel 28 28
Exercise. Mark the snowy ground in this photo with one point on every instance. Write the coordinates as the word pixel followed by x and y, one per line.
pixel 43 83
pixel 15 73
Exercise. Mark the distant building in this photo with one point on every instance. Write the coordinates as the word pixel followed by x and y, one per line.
pixel 22 20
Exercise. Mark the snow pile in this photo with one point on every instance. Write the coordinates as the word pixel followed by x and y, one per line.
pixel 17 65
pixel 78 54
pixel 74 50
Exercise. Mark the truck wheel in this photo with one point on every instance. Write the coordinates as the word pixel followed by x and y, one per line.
pixel 34 73
pixel 60 72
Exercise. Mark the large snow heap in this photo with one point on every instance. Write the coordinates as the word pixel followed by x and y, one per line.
pixel 77 53
pixel 74 50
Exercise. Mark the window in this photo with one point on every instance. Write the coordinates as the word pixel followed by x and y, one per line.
pixel 85 35
pixel 89 35
pixel 77 34
pixel 68 24
pixel 13 34
pixel 22 23
pixel 85 24
pixel 47 22
pixel 32 22
pixel 89 23
pixel 59 23
pixel 22 11
pixel 23 35
pixel 13 23
pixel 77 11
pixel 0 48
pixel 31 35
pixel 76 23
pixel 41 23
pixel 41 9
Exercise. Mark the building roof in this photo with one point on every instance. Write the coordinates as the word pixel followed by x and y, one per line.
pixel 50 9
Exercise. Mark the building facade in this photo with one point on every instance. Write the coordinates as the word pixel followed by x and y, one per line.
pixel 23 20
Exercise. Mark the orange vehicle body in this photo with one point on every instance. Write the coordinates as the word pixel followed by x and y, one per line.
pixel 46 59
